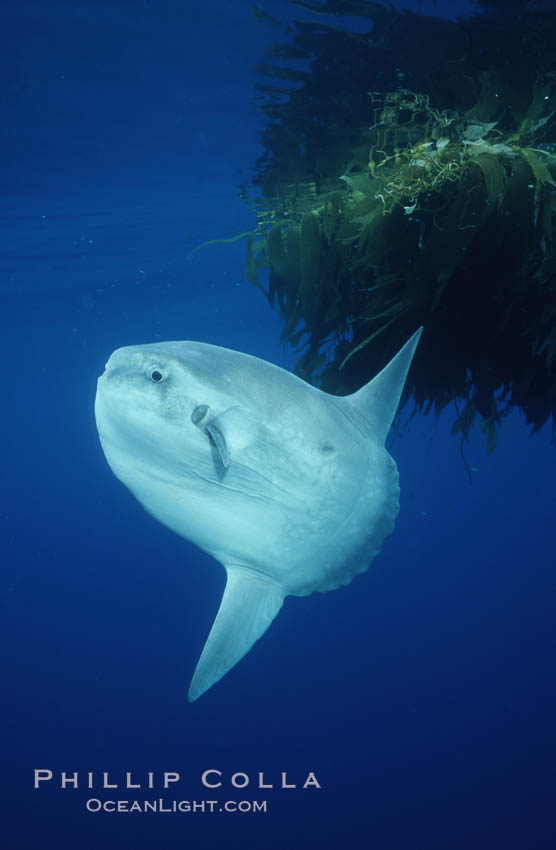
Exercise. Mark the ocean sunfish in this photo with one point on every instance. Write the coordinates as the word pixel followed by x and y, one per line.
pixel 290 488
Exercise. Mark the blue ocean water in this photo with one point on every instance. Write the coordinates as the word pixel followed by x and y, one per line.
pixel 422 695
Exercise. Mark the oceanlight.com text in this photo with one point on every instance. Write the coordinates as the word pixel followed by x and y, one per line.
pixel 162 806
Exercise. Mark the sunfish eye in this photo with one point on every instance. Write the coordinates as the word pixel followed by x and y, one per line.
pixel 157 376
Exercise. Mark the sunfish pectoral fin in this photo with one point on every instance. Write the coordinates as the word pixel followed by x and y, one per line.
pixel 249 605
pixel 219 442
pixel 201 417
pixel 233 428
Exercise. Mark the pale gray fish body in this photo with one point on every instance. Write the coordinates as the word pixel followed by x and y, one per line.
pixel 290 488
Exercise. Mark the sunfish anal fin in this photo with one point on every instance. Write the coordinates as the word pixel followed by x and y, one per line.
pixel 249 605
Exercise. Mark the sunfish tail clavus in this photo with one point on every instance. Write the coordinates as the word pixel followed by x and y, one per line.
pixel 290 488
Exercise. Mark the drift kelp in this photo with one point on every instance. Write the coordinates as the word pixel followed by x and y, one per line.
pixel 410 179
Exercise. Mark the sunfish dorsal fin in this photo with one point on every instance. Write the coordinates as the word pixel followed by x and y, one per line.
pixel 249 605
pixel 378 400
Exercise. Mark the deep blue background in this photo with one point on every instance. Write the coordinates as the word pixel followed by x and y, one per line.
pixel 422 694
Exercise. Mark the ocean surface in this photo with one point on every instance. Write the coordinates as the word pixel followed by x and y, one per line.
pixel 421 696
